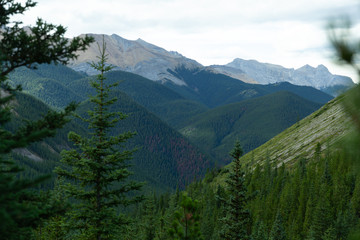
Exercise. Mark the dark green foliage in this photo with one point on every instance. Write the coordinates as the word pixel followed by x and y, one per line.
pixel 56 226
pixel 48 83
pixel 236 223
pixel 150 223
pixel 186 225
pixel 215 90
pixel 277 230
pixel 165 103
pixel 215 130
pixel 313 199
pixel 165 158
pixel 38 158
pixel 259 231
pixel 98 171
pixel 21 209
pixel 45 44
pixel 60 73
pixel 347 51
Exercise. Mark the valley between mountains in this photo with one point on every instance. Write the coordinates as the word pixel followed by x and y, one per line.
pixel 298 177
pixel 186 116
pixel 107 138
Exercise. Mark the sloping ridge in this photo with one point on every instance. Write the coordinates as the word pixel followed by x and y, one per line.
pixel 252 122
pixel 137 57
pixel 326 126
pixel 164 158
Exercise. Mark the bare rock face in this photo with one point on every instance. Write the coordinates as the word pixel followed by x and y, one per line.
pixel 158 64
pixel 232 72
pixel 265 73
pixel 138 57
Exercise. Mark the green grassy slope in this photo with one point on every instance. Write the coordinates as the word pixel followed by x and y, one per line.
pixel 325 126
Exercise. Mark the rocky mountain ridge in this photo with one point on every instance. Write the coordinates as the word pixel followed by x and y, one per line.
pixel 137 57
pixel 265 73
pixel 158 64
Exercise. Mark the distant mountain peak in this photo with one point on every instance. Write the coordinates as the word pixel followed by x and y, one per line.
pixel 322 68
pixel 158 64
pixel 139 57
pixel 265 73
pixel 306 66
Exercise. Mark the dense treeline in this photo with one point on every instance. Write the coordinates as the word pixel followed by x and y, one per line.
pixel 21 208
pixel 216 130
pixel 47 85
pixel 171 158
pixel 160 147
pixel 213 89
pixel 213 128
pixel 319 198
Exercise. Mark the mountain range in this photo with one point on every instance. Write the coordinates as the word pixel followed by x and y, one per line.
pixel 298 179
pixel 164 158
pixel 137 57
pixel 155 63
pixel 319 77
pixel 186 116
pixel 181 131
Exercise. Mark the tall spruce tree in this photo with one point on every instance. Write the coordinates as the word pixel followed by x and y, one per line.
pixel 149 222
pixel 236 223
pixel 98 169
pixel 43 43
pixel 186 224
pixel 258 231
pixel 277 230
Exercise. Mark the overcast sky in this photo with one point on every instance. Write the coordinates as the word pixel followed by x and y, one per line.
pixel 290 33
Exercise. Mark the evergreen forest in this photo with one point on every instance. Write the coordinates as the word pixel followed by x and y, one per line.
pixel 89 158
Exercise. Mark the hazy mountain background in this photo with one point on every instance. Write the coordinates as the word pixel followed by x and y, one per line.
pixel 154 63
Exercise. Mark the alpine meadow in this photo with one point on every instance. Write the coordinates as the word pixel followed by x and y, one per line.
pixel 105 138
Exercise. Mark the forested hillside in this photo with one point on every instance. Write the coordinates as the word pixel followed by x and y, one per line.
pixel 214 89
pixel 48 83
pixel 252 122
pixel 184 110
pixel 326 126
pixel 164 159
pixel 38 158
pixel 165 103
pixel 318 198
pixel 114 166
pixel 310 192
